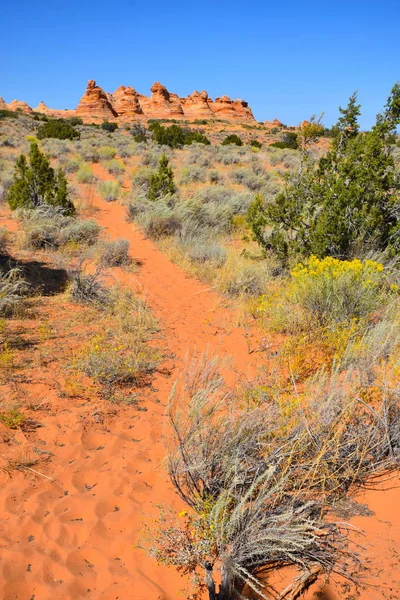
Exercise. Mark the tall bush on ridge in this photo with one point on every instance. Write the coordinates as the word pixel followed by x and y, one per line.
pixel 161 182
pixel 347 203
pixel 37 183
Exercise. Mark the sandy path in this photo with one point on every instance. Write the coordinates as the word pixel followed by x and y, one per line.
pixel 84 537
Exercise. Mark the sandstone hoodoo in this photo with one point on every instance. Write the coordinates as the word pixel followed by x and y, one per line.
pixel 95 103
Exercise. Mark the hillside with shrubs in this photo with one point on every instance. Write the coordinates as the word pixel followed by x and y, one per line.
pixel 220 302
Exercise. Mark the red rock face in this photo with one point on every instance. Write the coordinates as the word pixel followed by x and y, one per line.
pixel 273 124
pixel 3 105
pixel 125 103
pixel 95 103
pixel 17 105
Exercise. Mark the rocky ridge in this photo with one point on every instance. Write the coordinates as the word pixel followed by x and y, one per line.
pixel 126 104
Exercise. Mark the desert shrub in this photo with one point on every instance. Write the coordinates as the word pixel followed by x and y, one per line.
pixel 90 152
pixel 12 288
pixel 6 179
pixel 107 152
pixel 88 288
pixel 247 279
pixel 192 175
pixel 161 183
pixel 331 292
pixel 85 174
pixel 57 128
pixel 112 360
pixel 343 204
pixel 215 177
pixel 4 239
pixel 109 190
pixel 114 166
pixel 51 227
pixel 198 156
pixel 255 144
pixel 79 231
pixel 176 136
pixel 8 114
pixel 200 247
pixel 232 139
pixel 247 178
pixel 54 147
pixel 141 179
pixel 113 253
pixel 37 184
pixel 139 132
pixel 110 127
pixel 288 140
pixel 159 221
pixel 71 166
pixel 253 503
pixel 11 418
pixel 227 156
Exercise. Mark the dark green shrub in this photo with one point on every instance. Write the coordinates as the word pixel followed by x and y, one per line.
pixel 288 140
pixel 75 121
pixel 139 132
pixel 255 144
pixel 161 182
pixel 37 184
pixel 57 128
pixel 176 136
pixel 232 139
pixel 346 204
pixel 8 114
pixel 111 127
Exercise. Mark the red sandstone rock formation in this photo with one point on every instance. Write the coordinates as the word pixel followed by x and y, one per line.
pixel 95 103
pixel 125 104
pixel 272 124
pixel 18 105
pixel 3 105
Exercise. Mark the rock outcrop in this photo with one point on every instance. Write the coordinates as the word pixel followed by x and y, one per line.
pixel 3 105
pixel 126 104
pixel 95 103
pixel 19 105
pixel 273 124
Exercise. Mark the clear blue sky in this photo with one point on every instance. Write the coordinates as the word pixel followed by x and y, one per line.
pixel 287 58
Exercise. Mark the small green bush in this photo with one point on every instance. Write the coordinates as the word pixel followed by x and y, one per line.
pixel 109 190
pixel 110 127
pixel 85 175
pixel 114 166
pixel 57 128
pixel 255 144
pixel 161 182
pixel 288 140
pixel 107 152
pixel 232 139
pixel 37 184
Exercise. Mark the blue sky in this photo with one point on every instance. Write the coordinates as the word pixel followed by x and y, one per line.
pixel 289 58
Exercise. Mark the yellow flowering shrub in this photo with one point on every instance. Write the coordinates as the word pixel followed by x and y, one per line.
pixel 330 292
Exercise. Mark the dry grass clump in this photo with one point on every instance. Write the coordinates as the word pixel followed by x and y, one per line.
pixel 262 484
pixel 13 288
pixel 121 356
pixel 47 227
pixel 87 287
pixel 109 190
pixel 112 253
pixel 85 175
